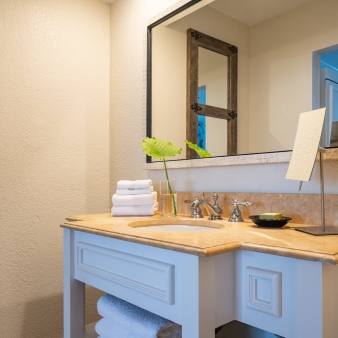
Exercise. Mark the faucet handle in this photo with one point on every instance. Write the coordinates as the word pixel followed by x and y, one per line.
pixel 190 201
pixel 246 204
pixel 196 211
pixel 236 215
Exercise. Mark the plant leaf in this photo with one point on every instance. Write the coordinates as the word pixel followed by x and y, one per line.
pixel 159 148
pixel 201 152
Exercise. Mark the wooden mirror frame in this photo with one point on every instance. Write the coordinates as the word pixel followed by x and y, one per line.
pixel 197 39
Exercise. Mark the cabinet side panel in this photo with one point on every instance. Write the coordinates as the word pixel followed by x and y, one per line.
pixel 330 301
pixel 308 287
pixel 225 288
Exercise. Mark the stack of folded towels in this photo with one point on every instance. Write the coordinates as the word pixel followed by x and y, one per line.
pixel 134 198
pixel 124 320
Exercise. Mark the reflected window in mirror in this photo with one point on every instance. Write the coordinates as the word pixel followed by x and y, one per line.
pixel 212 65
pixel 213 74
pixel 212 132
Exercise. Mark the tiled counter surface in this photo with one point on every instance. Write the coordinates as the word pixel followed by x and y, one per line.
pixel 233 236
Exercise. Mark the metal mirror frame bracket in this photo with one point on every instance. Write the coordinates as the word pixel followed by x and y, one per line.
pixel 197 39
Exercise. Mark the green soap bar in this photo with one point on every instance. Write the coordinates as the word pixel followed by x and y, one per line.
pixel 271 215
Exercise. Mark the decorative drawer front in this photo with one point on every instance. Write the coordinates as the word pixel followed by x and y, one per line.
pixel 264 291
pixel 153 278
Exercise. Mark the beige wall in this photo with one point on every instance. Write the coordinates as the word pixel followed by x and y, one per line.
pixel 128 32
pixel 213 73
pixel 169 86
pixel 54 137
pixel 281 70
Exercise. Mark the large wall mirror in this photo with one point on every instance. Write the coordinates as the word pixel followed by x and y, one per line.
pixel 276 41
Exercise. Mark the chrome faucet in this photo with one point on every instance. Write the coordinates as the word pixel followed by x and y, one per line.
pixel 236 214
pixel 213 210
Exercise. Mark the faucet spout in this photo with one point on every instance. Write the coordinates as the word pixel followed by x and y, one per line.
pixel 213 212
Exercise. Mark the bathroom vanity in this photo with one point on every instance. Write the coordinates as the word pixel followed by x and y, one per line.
pixel 279 280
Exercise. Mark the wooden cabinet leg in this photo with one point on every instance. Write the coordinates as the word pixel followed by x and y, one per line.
pixel 73 293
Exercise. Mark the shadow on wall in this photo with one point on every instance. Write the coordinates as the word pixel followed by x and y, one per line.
pixel 43 317
pixel 237 329
pixel 92 296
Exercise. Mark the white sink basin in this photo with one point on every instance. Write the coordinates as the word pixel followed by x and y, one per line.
pixel 176 228
pixel 176 225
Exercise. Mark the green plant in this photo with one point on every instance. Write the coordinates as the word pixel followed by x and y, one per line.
pixel 201 152
pixel 161 149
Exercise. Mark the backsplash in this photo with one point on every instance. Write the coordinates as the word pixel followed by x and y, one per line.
pixel 303 208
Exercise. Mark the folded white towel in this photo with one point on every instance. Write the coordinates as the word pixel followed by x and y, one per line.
pixel 134 210
pixel 136 320
pixel 135 199
pixel 107 328
pixel 139 184
pixel 133 191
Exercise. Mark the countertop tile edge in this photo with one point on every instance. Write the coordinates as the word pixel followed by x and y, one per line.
pixel 212 250
pixel 139 240
pixel 292 253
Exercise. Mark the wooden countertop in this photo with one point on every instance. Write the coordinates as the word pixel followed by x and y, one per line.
pixel 229 237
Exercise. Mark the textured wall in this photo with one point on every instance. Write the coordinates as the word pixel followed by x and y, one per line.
pixel 54 142
pixel 128 28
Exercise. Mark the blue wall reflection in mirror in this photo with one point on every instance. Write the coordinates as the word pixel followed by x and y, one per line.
pixel 202 99
pixel 329 96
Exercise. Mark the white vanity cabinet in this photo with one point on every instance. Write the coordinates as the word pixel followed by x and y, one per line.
pixel 290 297
pixel 197 292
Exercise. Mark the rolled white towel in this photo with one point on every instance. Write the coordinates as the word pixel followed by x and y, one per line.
pixel 134 210
pixel 133 191
pixel 137 320
pixel 107 328
pixel 135 199
pixel 138 184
